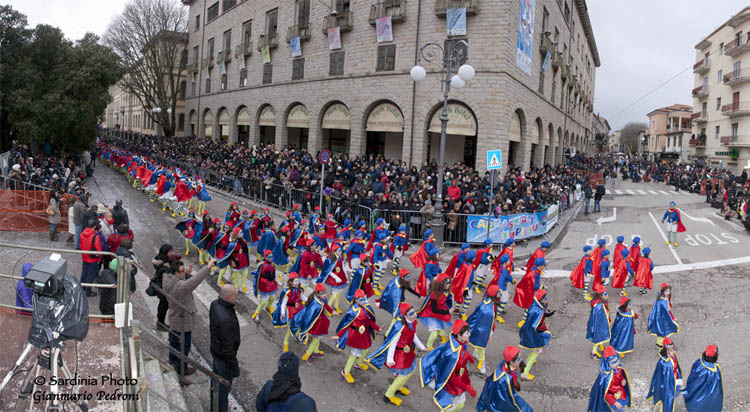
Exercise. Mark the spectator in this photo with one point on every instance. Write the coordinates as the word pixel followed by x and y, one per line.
pixel 54 219
pixel 90 242
pixel 24 295
pixel 182 310
pixel 124 249
pixel 587 194
pixel 162 264
pixel 427 211
pixel 284 391
pixel 600 191
pixel 225 341
pixel 119 214
pixel 123 232
pixel 79 210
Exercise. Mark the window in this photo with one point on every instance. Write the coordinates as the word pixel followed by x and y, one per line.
pixel 680 141
pixel 243 78
pixel 197 22
pixel 541 82
pixel 337 64
pixel 567 13
pixel 545 19
pixel 704 109
pixel 181 122
pixel 183 87
pixel 557 34
pixel 303 12
pixel 208 85
pixel 196 55
pixel 228 4
pixel 716 136
pixel 721 49
pixel 213 11
pixel 554 86
pixel 211 47
pixel 719 76
pixel 223 85
pixel 267 73
pixel 341 6
pixel 737 67
pixel 718 104
pixel 228 42
pixel 193 88
pixel 247 31
pixel 735 129
pixel 705 83
pixel 272 22
pixel 386 59
pixel 298 69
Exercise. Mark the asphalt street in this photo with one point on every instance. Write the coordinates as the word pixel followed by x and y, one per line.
pixel 707 271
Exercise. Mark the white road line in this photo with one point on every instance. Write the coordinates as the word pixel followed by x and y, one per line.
pixel 673 192
pixel 630 192
pixel 663 192
pixel 608 192
pixel 653 192
pixel 557 273
pixel 618 191
pixel 643 192
pixel 734 225
pixel 671 249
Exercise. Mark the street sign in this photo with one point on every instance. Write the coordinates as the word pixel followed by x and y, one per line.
pixel 494 159
pixel 324 156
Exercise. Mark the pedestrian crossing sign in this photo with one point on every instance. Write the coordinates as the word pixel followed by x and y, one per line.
pixel 494 159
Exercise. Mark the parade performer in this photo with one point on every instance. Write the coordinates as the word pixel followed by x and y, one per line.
pixel 233 215
pixel 347 230
pixel 355 250
pixel 623 328
pixel 596 261
pixel 331 228
pixel 502 278
pixel 202 229
pixel 508 250
pixel 666 382
pixel 534 334
pixel 674 223
pixel 208 239
pixel 266 216
pixel 255 229
pixel 239 256
pixel 265 286
pixel 394 294
pixel 462 284
pixel 582 275
pixel 623 273
pixel 644 277
pixel 357 331
pixel 380 256
pixel 203 196
pixel 540 252
pixel 312 321
pixel 380 227
pixel 598 327
pixel 267 240
pixel 419 257
pixel 635 253
pixel 604 268
pixel 482 324
pixel 483 264
pixel 290 302
pixel 435 312
pixel 398 352
pixel 399 246
pixel 187 228
pixel 500 392
pixel 361 279
pixel 445 370
pixel 288 221
pixel 218 249
pixel 308 266
pixel 430 269
pixel 334 276
pixel 320 242
pixel 280 251
pixel 704 391
pixel 611 390
pixel 617 254
pixel 661 321
pixel 182 193
pixel 457 260
pixel 528 286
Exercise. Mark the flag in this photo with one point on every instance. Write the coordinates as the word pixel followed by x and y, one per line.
pixel 223 67
pixel 384 29
pixel 456 21
pixel 265 55
pixel 294 44
pixel 547 58
pixel 334 38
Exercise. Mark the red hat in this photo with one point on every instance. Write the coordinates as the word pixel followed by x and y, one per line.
pixel 309 242
pixel 293 275
pixel 404 308
pixel 364 256
pixel 335 247
pixel 458 324
pixel 317 208
pixel 234 203
pixel 285 229
pixel 288 213
pixel 267 252
pixel 253 212
pixel 216 220
pixel 540 294
pixel 624 300
pixel 304 221
pixel 296 205
pixel 205 212
pixel 319 287
pixel 711 350
pixel 266 208
pixel 441 277
pixel 236 231
pixel 510 352
pixel 664 285
pixel 359 294
pixel 609 351
pixel 668 341
pixel 403 273
pixel 493 290
pixel 600 289
pixel 244 212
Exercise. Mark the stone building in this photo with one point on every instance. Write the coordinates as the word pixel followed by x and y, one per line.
pixel 669 133
pixel 351 92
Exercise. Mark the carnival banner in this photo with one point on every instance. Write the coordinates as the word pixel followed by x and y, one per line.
pixel 520 226
pixel 524 46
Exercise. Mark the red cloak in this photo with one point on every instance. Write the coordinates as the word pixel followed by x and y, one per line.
pixel 578 274
pixel 524 296
pixel 643 276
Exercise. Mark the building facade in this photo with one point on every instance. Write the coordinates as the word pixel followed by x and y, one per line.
pixel 668 132
pixel 125 112
pixel 311 75
pixel 721 122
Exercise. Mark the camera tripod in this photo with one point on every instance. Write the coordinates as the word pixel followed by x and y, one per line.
pixel 48 359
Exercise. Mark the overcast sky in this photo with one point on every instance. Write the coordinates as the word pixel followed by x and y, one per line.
pixel 642 43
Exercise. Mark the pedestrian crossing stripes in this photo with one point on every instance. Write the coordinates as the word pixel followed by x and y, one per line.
pixel 648 192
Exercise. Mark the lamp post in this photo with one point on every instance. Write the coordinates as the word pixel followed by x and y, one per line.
pixel 157 113
pixel 453 61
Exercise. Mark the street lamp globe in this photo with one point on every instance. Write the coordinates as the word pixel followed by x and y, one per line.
pixel 418 73
pixel 457 82
pixel 466 72
pixel 157 109
pixel 169 110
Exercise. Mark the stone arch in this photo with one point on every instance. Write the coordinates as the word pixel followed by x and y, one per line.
pixel 549 153
pixel 383 129
pixel 296 125
pixel 265 119
pixel 518 142
pixel 538 144
pixel 242 124
pixel 461 135
pixel 207 129
pixel 222 124
pixel 335 122
pixel 193 123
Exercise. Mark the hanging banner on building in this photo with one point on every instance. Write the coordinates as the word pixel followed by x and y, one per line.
pixel 455 19
pixel 520 226
pixel 334 38
pixel 265 54
pixel 384 29
pixel 547 58
pixel 206 74
pixel 294 43
pixel 241 58
pixel 223 68
pixel 525 36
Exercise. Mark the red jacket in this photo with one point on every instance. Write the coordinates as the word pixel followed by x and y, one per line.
pixel 267 278
pixel 321 325
pixel 616 389
pixel 359 331
pixel 87 237
pixel 404 357
pixel 441 302
pixel 310 264
pixel 114 240
pixel 459 381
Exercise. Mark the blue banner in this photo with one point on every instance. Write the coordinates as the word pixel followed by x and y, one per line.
pixel 525 43
pixel 520 226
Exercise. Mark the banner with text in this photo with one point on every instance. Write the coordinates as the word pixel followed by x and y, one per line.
pixel 520 226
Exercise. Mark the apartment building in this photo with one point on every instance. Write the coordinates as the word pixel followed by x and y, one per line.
pixel 669 131
pixel 334 74
pixel 125 112
pixel 721 122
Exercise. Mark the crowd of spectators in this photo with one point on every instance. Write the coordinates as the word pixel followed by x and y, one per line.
pixel 29 171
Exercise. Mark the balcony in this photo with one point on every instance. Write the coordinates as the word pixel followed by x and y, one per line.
pixel 565 73
pixel 441 6
pixel 736 47
pixel 702 66
pixel 700 92
pixel 546 44
pixel 557 59
pixel 700 117
pixel 394 8
pixel 224 56
pixel 271 40
pixel 698 142
pixel 343 20
pixel 678 129
pixel 192 67
pixel 208 62
pixel 246 49
pixel 737 77
pixel 736 109
pixel 735 141
pixel 301 30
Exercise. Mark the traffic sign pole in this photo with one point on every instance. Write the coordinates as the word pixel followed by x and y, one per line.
pixel 322 178
pixel 492 195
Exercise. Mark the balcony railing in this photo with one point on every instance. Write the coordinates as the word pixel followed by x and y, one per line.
pixel 735 141
pixel 301 30
pixel 702 66
pixel 546 44
pixel 698 142
pixel 244 49
pixel 394 8
pixel 737 77
pixel 736 47
pixel 700 91
pixel 678 129
pixel 192 67
pixel 736 109
pixel 207 62
pixel 441 6
pixel 343 20
pixel 224 56
pixel 557 59
pixel 271 40
pixel 700 117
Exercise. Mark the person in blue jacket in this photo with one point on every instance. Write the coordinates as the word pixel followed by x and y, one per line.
pixel 482 325
pixel 24 295
pixel 500 392
pixel 394 294
pixel 534 333
pixel 505 277
pixel 598 326
pixel 661 321
pixel 611 390
pixel 267 240
pixel 666 382
pixel 381 253
pixel 355 249
pixel 283 392
pixel 623 328
pixel 704 391
pixel 399 246
pixel 604 267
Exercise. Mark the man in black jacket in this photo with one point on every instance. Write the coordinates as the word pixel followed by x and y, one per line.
pixel 600 191
pixel 284 391
pixel 119 214
pixel 225 341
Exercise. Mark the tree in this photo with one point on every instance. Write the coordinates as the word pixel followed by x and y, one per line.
pixel 150 36
pixel 13 36
pixel 629 135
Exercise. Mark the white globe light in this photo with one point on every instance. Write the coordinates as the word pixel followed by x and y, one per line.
pixel 466 72
pixel 169 110
pixel 456 82
pixel 418 73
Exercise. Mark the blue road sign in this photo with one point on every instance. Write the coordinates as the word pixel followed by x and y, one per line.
pixel 494 159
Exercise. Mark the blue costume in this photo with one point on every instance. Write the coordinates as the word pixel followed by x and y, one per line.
pixel 597 328
pixel 267 241
pixel 530 338
pixel 663 389
pixel 605 265
pixel 392 297
pixel 499 394
pixel 358 276
pixel 623 332
pixel 305 319
pixel 431 270
pixel 660 322
pixel 347 320
pixel 328 266
pixel 380 356
pixel 598 397
pixel 705 388
pixel 438 366
pixel 280 257
pixel 280 316
pixel 482 323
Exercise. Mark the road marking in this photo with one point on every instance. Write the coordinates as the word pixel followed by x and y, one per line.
pixel 603 219
pixel 608 192
pixel 206 294
pixel 698 219
pixel 734 225
pixel 671 249
pixel 663 192
pixel 557 273
pixel 643 192
pixel 630 192
pixel 673 192
pixel 653 192
pixel 619 192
